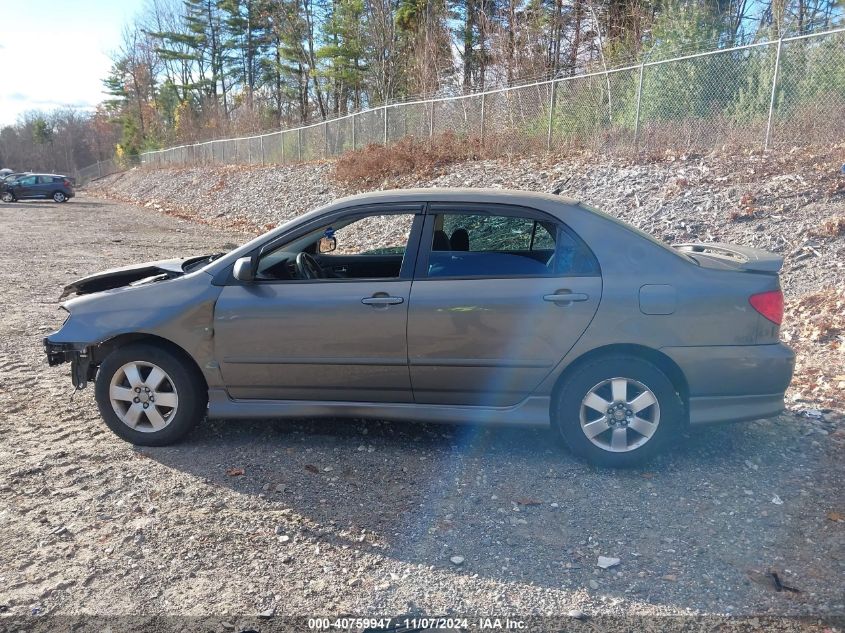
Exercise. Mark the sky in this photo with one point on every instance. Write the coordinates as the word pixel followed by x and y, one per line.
pixel 55 53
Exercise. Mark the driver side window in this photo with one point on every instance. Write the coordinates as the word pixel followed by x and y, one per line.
pixel 365 247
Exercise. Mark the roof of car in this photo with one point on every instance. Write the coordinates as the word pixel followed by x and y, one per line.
pixel 467 194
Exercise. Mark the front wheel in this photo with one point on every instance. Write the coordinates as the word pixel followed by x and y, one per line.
pixel 617 411
pixel 7 196
pixel 148 395
pixel 59 197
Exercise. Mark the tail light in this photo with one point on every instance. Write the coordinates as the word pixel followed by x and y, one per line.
pixel 67 182
pixel 769 304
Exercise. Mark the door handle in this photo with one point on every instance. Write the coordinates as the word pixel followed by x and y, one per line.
pixel 382 301
pixel 565 297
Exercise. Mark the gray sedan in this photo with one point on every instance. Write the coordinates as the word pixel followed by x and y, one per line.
pixel 446 305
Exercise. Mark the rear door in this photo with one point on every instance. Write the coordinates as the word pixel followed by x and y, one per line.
pixel 45 187
pixel 501 294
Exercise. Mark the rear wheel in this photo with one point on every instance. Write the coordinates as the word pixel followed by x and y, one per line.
pixel 148 395
pixel 59 196
pixel 7 196
pixel 617 411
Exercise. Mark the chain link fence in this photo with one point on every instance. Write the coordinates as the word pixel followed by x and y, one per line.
pixel 102 168
pixel 770 94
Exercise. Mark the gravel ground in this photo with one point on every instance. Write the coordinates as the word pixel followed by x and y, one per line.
pixel 366 517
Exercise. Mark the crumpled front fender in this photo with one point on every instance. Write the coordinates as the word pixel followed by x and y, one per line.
pixel 180 311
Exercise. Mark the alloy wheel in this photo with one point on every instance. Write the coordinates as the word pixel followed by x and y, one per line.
pixel 143 396
pixel 619 414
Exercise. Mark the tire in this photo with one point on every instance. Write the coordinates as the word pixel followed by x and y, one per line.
pixel 7 196
pixel 646 429
pixel 181 392
pixel 59 196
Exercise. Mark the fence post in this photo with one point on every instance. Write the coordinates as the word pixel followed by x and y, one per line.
pixel 299 144
pixel 325 139
pixel 483 108
pixel 431 123
pixel 282 143
pixel 774 92
pixel 384 135
pixel 637 115
pixel 552 99
pixel 261 145
pixel 99 170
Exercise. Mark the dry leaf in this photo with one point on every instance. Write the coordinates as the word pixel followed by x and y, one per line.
pixel 234 472
pixel 836 516
pixel 311 468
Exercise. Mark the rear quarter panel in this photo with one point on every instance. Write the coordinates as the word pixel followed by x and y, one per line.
pixel 711 307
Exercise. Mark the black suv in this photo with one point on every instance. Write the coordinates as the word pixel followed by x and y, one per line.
pixel 35 186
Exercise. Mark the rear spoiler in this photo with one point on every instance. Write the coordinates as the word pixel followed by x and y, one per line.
pixel 743 257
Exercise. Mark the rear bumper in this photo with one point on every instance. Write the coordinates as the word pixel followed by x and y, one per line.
pixel 716 409
pixel 734 382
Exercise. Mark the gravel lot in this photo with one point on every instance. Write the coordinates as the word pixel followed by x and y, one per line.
pixel 366 517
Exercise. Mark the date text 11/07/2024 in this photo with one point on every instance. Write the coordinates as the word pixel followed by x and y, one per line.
pixel 413 624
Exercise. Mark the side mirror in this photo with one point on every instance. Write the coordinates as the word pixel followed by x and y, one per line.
pixel 243 270
pixel 326 245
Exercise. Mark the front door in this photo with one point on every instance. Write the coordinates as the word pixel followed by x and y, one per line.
pixel 499 298
pixel 340 336
pixel 25 187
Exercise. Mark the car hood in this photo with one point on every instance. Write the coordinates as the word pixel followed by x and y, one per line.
pixel 136 274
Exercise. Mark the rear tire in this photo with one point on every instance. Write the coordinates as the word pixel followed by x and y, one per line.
pixel 7 196
pixel 617 411
pixel 59 196
pixel 148 395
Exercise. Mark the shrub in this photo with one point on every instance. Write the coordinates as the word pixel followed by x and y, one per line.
pixel 375 163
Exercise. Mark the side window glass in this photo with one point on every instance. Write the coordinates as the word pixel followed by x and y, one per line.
pixel 467 245
pixel 374 235
pixel 369 247
pixel 572 257
pixel 28 181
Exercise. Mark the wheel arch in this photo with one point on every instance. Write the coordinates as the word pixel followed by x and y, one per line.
pixel 656 357
pixel 121 340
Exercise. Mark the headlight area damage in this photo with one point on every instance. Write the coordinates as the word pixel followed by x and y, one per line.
pixel 81 368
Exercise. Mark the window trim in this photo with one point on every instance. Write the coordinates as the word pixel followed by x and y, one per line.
pixel 491 209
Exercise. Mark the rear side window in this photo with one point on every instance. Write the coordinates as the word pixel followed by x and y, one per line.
pixel 486 245
pixel 45 180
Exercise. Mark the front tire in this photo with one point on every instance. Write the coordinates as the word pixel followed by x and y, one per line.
pixel 148 395
pixel 617 411
pixel 59 196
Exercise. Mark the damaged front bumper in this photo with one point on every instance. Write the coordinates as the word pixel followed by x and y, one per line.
pixel 81 369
